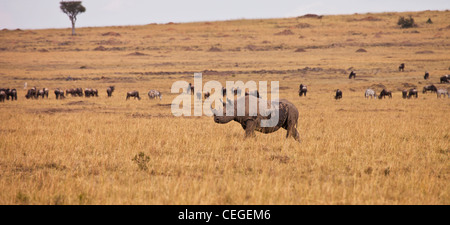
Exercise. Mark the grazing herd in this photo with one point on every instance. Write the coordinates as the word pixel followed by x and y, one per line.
pixel 406 94
pixel 6 93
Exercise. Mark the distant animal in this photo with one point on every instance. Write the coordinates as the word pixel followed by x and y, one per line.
pixel 74 92
pixel 370 93
pixel 2 96
pixel 442 92
pixel 404 93
pixel 89 92
pixel 207 94
pixel 428 88
pixel 444 79
pixel 287 117
pixel 302 90
pixel 59 93
pixel 45 92
pixel 40 93
pixel 401 67
pixel 254 93
pixel 152 94
pixel 426 76
pixel 110 90
pixel 236 91
pixel 224 91
pixel 352 75
pixel 79 92
pixel 338 94
pixel 413 92
pixel 199 95
pixel 134 94
pixel 385 93
pixel 31 93
pixel 190 89
pixel 11 93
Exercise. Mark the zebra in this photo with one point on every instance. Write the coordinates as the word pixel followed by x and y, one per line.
pixel 152 94
pixel 442 92
pixel 371 93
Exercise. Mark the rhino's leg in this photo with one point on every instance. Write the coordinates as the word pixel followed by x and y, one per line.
pixel 250 126
pixel 292 130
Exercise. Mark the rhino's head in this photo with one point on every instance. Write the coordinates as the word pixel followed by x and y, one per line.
pixel 222 118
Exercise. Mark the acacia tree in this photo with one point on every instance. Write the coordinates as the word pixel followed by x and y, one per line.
pixel 72 9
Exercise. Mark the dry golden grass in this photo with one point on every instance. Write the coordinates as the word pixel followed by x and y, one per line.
pixel 353 151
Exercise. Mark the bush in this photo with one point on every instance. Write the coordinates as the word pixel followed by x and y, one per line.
pixel 406 22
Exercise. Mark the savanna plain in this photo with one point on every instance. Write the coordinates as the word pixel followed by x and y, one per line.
pixel 102 150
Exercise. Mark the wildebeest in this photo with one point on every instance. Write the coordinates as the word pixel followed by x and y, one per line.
pixel 31 93
pixel 74 92
pixel 385 93
pixel 302 90
pixel 11 93
pixel 152 94
pixel 134 94
pixel 207 94
pixel 89 92
pixel 405 93
pixel 401 67
pixel 352 74
pixel 190 89
pixel 110 90
pixel 444 79
pixel 442 92
pixel 426 76
pixel 254 93
pixel 59 93
pixel 338 94
pixel 45 92
pixel 370 93
pixel 287 117
pixel 431 88
pixel 2 96
pixel 40 93
pixel 413 92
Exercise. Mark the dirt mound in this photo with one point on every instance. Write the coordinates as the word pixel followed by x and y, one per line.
pixel 311 16
pixel 409 85
pixel 111 41
pixel 251 47
pixel 43 50
pixel 136 54
pixel 111 34
pixel 100 48
pixel 303 25
pixel 370 18
pixel 214 49
pixel 300 50
pixel 425 52
pixel 285 32
pixel 361 50
pixel 377 86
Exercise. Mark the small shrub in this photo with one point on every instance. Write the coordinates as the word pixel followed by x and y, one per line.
pixel 141 160
pixel 429 21
pixel 406 22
